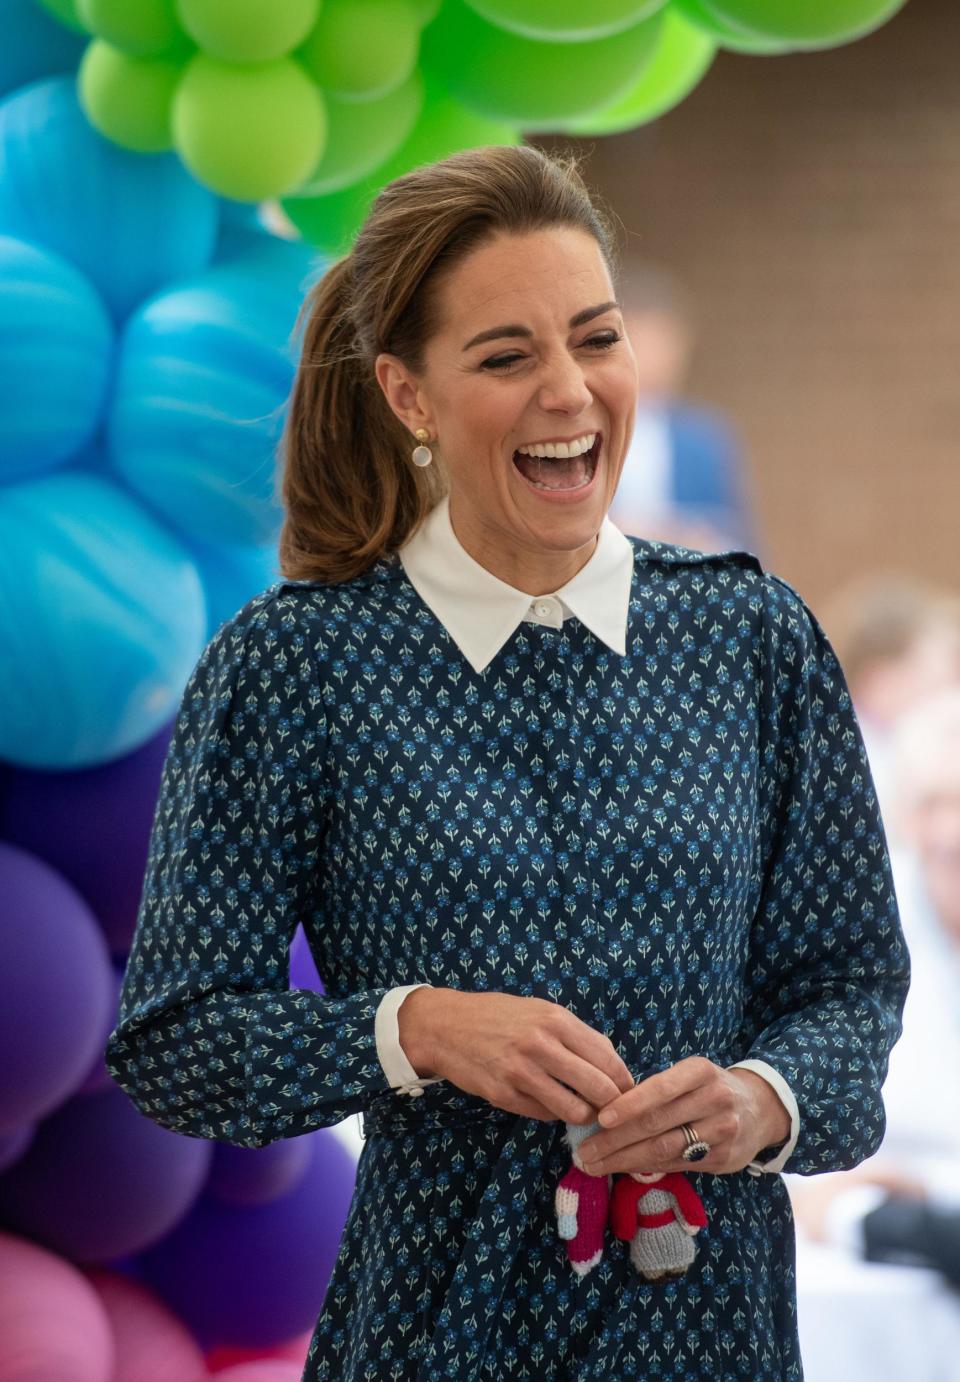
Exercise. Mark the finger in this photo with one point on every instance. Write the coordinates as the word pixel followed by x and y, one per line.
pixel 597 1048
pixel 665 1152
pixel 689 1074
pixel 689 1108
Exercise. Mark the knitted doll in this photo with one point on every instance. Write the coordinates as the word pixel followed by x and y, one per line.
pixel 659 1215
pixel 582 1202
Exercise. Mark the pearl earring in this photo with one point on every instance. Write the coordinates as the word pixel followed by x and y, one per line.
pixel 422 455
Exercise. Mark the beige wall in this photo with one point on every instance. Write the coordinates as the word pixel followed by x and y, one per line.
pixel 811 203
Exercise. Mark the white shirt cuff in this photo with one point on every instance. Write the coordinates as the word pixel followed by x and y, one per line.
pixel 761 1067
pixel 400 1074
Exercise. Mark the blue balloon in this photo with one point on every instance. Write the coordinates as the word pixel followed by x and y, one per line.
pixel 34 44
pixel 231 576
pixel 203 379
pixel 132 224
pixel 56 357
pixel 102 618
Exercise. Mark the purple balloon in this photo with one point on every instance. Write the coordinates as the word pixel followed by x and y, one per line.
pixel 101 1180
pixel 254 1277
pixel 98 1076
pixel 14 1144
pixel 93 826
pixel 57 991
pixel 257 1175
pixel 303 971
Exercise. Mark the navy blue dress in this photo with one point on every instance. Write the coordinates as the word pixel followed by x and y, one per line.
pixel 683 845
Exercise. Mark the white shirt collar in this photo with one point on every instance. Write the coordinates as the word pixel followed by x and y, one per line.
pixel 480 612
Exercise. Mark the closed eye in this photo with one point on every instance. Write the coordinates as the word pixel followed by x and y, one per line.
pixel 602 341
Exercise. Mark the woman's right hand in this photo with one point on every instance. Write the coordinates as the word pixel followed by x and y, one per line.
pixel 517 1053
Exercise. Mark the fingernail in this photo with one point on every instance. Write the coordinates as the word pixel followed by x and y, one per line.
pixel 608 1117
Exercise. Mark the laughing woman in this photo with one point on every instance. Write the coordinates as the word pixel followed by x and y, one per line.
pixel 573 821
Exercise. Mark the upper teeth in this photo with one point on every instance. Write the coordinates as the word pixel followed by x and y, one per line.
pixel 559 450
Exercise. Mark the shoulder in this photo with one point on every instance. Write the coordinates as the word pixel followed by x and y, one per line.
pixel 671 560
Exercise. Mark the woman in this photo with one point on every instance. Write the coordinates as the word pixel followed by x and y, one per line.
pixel 596 808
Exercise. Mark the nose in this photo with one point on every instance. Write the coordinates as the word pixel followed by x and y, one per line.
pixel 563 387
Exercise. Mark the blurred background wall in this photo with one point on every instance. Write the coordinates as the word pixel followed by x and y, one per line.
pixel 810 204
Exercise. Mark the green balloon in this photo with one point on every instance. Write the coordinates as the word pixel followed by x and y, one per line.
pixel 361 49
pixel 807 23
pixel 426 10
pixel 128 99
pixel 248 130
pixel 683 55
pixel 247 30
pixel 727 35
pixel 526 82
pixel 565 21
pixel 145 29
pixel 444 126
pixel 66 12
pixel 363 134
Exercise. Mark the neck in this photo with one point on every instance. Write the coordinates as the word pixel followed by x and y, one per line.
pixel 534 571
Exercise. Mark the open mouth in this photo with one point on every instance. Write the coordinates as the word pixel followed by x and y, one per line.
pixel 562 473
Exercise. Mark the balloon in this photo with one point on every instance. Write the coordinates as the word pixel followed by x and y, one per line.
pixel 254 1276
pixel 101 1179
pixel 567 21
pixel 263 1370
pixel 56 988
pixel 34 45
pixel 14 1144
pixel 66 12
pixel 103 618
pixel 361 49
pixel 52 1322
pixel 150 1343
pixel 505 77
pixel 203 379
pixel 142 28
pixel 807 23
pixel 727 35
pixel 52 158
pixel 682 56
pixel 56 358
pixel 303 969
pixel 247 30
pixel 93 826
pixel 443 127
pixel 257 1175
pixel 248 130
pixel 362 134
pixel 231 576
pixel 129 99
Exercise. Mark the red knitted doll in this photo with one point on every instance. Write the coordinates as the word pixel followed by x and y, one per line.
pixel 659 1214
pixel 582 1202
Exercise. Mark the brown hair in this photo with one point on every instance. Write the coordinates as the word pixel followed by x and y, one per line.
pixel 347 485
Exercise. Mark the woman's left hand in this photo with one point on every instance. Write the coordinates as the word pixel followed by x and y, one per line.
pixel 737 1111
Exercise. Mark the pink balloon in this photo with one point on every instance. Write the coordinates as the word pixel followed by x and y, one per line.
pixel 267 1370
pixel 151 1344
pixel 52 1323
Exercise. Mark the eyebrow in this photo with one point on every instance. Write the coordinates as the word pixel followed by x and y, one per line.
pixel 494 332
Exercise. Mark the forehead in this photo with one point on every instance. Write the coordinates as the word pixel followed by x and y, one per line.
pixel 512 277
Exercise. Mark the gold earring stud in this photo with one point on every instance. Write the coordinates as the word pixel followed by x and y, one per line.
pixel 422 455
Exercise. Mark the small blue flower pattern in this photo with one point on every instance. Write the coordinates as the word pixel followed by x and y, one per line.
pixel 682 845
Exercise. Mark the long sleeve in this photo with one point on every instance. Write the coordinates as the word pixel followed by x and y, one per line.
pixel 210 1041
pixel 788 1099
pixel 828 970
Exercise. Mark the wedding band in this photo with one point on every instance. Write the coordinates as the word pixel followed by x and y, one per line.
pixel 696 1149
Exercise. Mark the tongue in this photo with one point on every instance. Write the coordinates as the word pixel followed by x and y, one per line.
pixel 555 474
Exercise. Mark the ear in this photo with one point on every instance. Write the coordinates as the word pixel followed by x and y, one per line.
pixel 403 393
